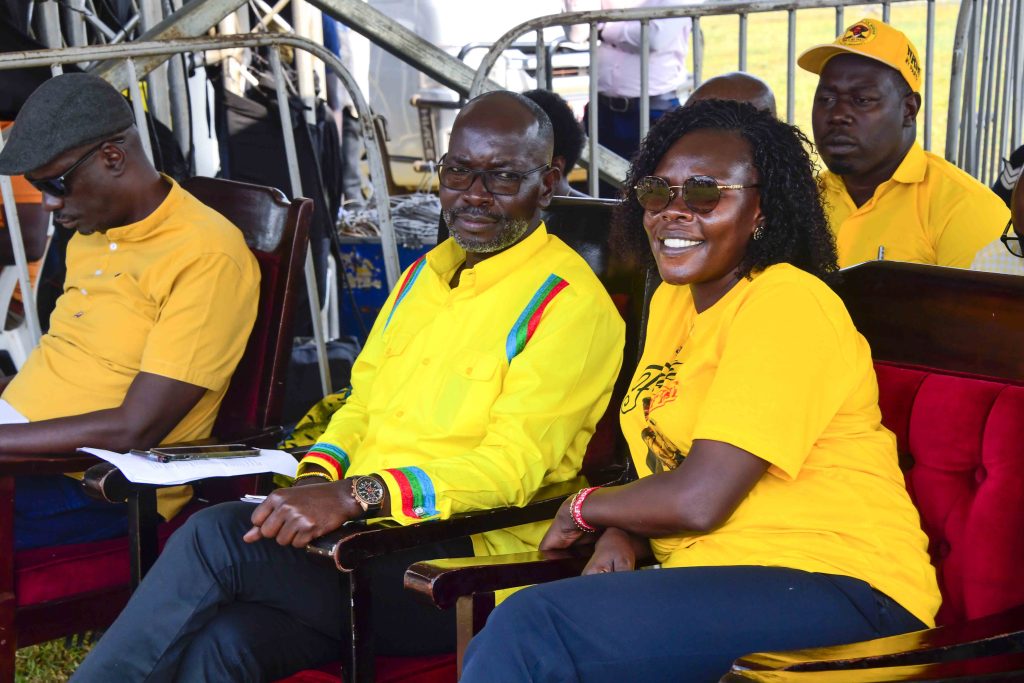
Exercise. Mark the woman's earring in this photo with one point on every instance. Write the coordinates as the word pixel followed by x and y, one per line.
pixel 759 231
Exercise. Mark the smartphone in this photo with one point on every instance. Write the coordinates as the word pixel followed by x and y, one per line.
pixel 180 453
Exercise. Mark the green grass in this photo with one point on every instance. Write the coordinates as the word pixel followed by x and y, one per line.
pixel 51 662
pixel 767 37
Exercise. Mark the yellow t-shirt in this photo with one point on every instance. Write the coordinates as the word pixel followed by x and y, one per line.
pixel 476 397
pixel 928 212
pixel 174 294
pixel 777 368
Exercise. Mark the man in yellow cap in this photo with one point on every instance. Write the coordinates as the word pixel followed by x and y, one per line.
pixel 886 197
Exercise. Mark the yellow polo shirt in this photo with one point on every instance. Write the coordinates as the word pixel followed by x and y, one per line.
pixel 476 397
pixel 777 368
pixel 928 212
pixel 174 294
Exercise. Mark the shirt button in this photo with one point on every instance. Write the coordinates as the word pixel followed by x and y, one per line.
pixel 113 246
pixel 83 291
pixel 426 361
pixel 98 272
pixel 400 413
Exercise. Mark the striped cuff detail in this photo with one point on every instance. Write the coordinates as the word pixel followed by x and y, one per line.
pixel 416 493
pixel 407 283
pixel 332 452
pixel 529 319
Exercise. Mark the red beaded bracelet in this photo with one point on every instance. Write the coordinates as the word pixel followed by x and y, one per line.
pixel 576 510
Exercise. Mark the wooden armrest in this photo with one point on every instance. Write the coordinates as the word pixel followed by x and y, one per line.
pixel 443 582
pixel 984 637
pixel 357 542
pixel 16 465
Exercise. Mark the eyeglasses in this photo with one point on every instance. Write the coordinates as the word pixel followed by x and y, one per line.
pixel 498 181
pixel 57 186
pixel 700 192
pixel 1012 241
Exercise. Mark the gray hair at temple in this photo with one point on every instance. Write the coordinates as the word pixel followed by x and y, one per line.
pixel 738 86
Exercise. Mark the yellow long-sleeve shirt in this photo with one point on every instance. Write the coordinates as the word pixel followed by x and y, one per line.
pixel 475 397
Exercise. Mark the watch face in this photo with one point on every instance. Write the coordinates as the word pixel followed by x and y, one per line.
pixel 369 490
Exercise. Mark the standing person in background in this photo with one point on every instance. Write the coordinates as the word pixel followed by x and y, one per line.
pixel 569 138
pixel 618 78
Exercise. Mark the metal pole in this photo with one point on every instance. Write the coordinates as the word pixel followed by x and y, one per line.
pixel 139 108
pixel 303 19
pixel 74 18
pixel 28 296
pixel 48 23
pixel 743 43
pixel 288 134
pixel 984 94
pixel 151 13
pixel 791 69
pixel 840 23
pixel 593 174
pixel 954 114
pixel 698 53
pixel 887 12
pixel 542 61
pixel 1000 100
pixel 929 63
pixel 645 78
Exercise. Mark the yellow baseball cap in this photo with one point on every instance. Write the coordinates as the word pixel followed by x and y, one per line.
pixel 872 39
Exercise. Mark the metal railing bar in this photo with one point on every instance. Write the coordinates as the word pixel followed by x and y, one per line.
pixel 697 39
pixel 139 108
pixel 791 67
pixel 929 80
pixel 645 77
pixel 541 60
pixel 594 171
pixel 742 66
pixel 295 180
pixel 28 295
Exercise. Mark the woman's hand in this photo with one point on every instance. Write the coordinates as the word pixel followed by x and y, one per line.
pixel 563 532
pixel 614 552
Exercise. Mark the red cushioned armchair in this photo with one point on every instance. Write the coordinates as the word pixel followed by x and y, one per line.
pixel 47 593
pixel 949 352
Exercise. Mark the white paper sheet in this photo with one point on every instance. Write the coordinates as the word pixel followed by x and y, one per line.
pixel 142 470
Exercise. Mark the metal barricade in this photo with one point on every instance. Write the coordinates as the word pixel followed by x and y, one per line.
pixel 986 90
pixel 740 8
pixel 121 59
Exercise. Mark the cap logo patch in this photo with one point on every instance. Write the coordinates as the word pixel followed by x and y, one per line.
pixel 858 34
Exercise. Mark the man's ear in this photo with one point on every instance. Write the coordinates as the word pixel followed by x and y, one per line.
pixel 548 182
pixel 911 105
pixel 114 158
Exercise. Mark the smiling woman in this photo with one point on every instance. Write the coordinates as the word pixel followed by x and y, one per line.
pixel 768 489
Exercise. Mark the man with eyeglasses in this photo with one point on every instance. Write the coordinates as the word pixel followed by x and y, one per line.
pixel 1007 254
pixel 160 295
pixel 481 381
pixel 886 197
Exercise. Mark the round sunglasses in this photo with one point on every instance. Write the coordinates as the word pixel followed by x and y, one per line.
pixel 701 193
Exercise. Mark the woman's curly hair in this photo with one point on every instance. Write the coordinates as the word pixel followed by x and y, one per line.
pixel 795 230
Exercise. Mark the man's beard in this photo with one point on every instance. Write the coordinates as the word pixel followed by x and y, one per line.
pixel 509 231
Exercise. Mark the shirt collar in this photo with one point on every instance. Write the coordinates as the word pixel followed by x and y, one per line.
pixel 141 229
pixel 913 166
pixel 447 256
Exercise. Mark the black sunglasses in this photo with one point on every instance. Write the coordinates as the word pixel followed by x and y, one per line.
pixel 1012 242
pixel 57 186
pixel 497 181
pixel 700 192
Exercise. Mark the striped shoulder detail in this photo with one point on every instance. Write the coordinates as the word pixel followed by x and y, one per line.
pixel 407 283
pixel 528 320
pixel 418 500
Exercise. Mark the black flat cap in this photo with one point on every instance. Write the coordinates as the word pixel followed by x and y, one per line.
pixel 65 112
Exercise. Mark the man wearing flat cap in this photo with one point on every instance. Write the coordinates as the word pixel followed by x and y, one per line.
pixel 885 196
pixel 160 295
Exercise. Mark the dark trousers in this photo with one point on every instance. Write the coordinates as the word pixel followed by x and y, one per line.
pixel 686 624
pixel 619 131
pixel 54 510
pixel 215 608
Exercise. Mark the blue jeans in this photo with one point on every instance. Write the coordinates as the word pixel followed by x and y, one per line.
pixel 54 510
pixel 685 624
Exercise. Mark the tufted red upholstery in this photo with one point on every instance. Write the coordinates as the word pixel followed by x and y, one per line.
pixel 960 445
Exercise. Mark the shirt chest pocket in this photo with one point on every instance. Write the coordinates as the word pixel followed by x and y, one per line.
pixel 467 392
pixel 119 311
